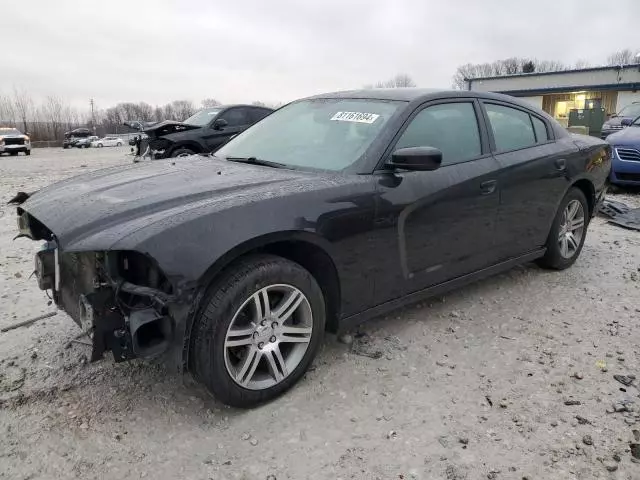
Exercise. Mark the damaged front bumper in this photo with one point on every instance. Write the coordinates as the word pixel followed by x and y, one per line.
pixel 97 290
pixel 121 299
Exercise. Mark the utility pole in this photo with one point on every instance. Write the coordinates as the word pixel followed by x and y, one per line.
pixel 93 115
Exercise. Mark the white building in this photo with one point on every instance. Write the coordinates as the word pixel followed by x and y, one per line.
pixel 612 88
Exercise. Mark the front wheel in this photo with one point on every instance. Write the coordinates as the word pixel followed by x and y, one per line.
pixel 182 152
pixel 258 331
pixel 100 145
pixel 119 144
pixel 28 152
pixel 568 231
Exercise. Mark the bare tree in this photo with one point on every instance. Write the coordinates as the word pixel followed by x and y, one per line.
pixel 7 111
pixel 168 112
pixel 23 105
pixel 183 109
pixel 581 63
pixel 53 109
pixel 209 103
pixel 158 114
pixel 145 112
pixel 621 57
pixel 508 66
pixel 399 81
pixel 511 66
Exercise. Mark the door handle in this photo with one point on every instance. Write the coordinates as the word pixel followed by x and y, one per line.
pixel 561 164
pixel 488 187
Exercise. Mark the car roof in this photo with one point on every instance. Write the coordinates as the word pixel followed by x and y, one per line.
pixel 222 107
pixel 417 95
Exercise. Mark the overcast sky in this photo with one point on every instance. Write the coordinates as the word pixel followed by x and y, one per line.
pixel 279 50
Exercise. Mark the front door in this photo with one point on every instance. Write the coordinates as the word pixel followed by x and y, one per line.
pixel 237 118
pixel 438 225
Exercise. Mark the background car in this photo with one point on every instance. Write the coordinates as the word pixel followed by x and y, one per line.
pixel 625 167
pixel 12 141
pixel 203 132
pixel 620 120
pixel 85 142
pixel 330 211
pixel 72 137
pixel 108 142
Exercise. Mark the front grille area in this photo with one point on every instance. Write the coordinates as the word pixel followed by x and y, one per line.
pixel 628 154
pixel 628 177
pixel 14 141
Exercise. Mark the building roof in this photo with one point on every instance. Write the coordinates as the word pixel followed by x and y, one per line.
pixel 556 72
pixel 625 77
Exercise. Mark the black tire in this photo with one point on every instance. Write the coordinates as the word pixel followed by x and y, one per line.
pixel 553 259
pixel 13 154
pixel 28 152
pixel 119 144
pixel 224 297
pixel 182 152
pixel 100 145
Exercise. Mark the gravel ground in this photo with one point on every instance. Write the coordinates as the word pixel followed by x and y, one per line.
pixel 510 378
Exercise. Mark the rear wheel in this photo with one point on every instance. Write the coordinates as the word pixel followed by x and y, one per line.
pixel 100 145
pixel 119 144
pixel 28 152
pixel 568 231
pixel 182 152
pixel 258 331
pixel 13 154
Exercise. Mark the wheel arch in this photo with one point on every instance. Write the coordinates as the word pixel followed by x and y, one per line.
pixel 586 186
pixel 306 249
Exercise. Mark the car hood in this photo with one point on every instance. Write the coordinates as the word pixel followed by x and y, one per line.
pixel 167 127
pixel 112 203
pixel 629 137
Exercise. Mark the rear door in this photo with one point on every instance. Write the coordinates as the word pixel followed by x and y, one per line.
pixel 437 225
pixel 533 178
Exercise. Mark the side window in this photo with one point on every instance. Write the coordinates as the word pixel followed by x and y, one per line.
pixel 258 114
pixel 450 127
pixel 541 129
pixel 236 117
pixel 512 128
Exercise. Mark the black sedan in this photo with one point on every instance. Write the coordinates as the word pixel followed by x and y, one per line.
pixel 203 132
pixel 331 210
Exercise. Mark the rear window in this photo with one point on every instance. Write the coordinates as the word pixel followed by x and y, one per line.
pixel 541 130
pixel 512 128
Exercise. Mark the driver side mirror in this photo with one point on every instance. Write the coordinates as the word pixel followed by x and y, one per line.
pixel 625 122
pixel 219 123
pixel 417 158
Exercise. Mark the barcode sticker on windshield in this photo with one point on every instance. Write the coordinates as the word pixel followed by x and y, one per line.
pixel 359 117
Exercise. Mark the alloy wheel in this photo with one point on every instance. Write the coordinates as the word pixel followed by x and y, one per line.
pixel 571 229
pixel 268 336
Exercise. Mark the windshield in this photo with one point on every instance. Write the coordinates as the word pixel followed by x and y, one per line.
pixel 203 117
pixel 632 110
pixel 9 131
pixel 327 134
